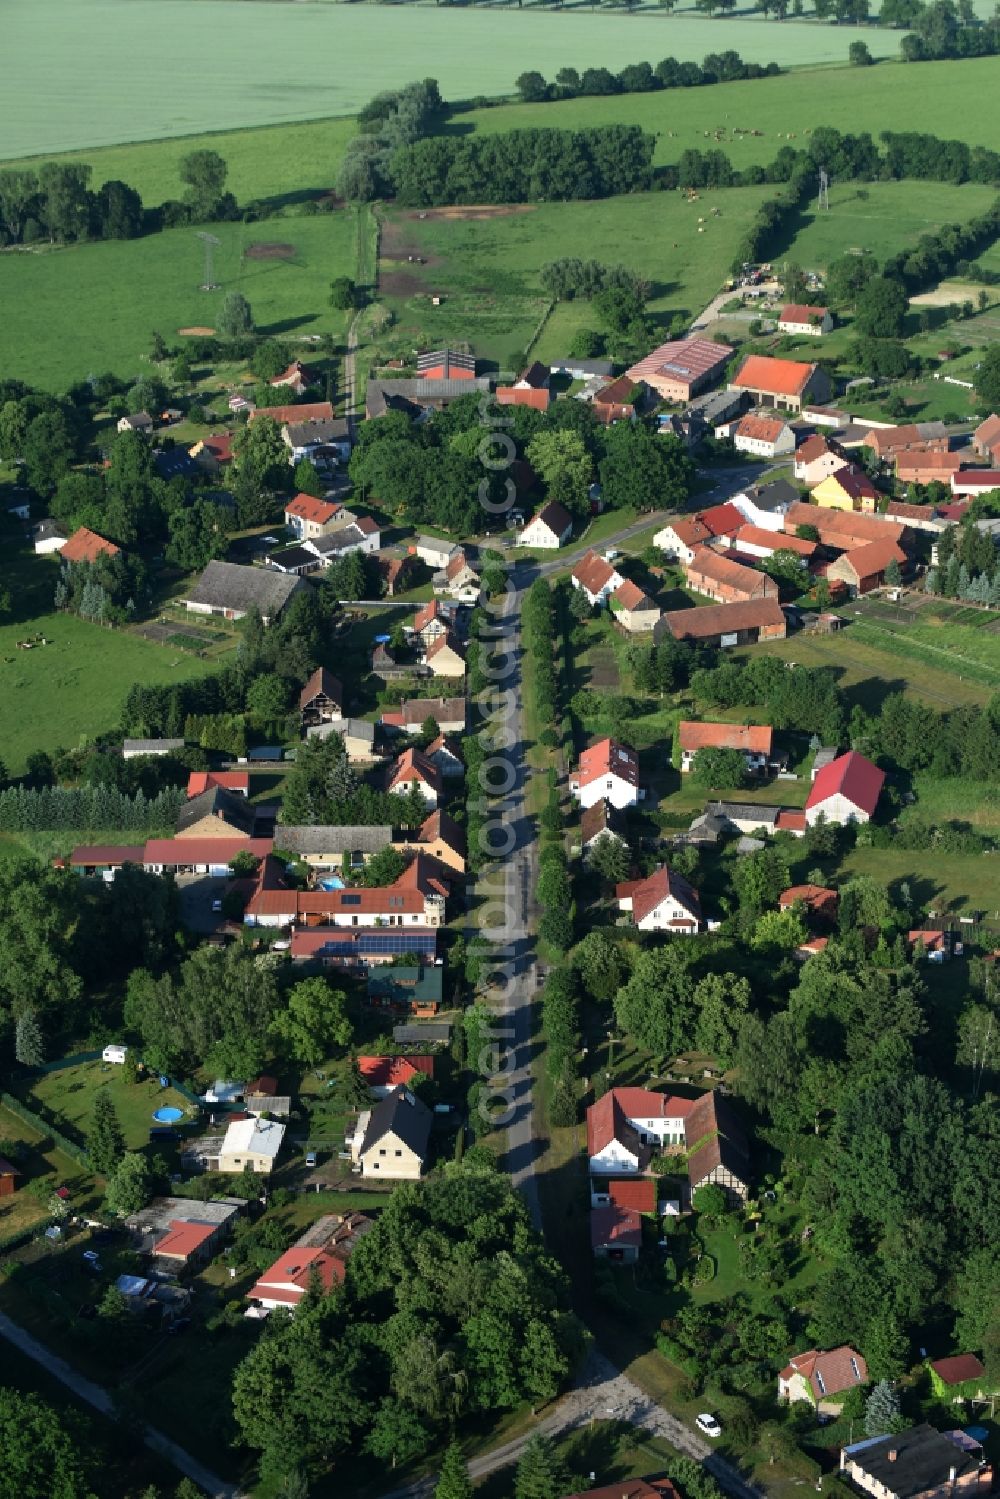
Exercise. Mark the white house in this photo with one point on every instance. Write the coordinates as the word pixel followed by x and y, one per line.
pixel 680 538
pixel 845 790
pixel 802 321
pixel 252 1143
pixel 626 1122
pixel 662 902
pixel 413 770
pixel 754 741
pixel 48 536
pixel 550 528
pixel 763 436
pixel 766 507
pixel 816 460
pixel 596 578
pixel 608 771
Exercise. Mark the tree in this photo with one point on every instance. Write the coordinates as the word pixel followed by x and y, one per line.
pixel 396 1433
pixel 345 294
pixel 105 1140
pixel 268 698
pixel 859 56
pixel 760 878
pixel 314 1022
pixel 307 479
pixel 778 932
pixel 610 857
pixel 709 1200
pixel 130 1186
pixel 205 173
pixel 532 87
pixel 656 1004
pixel 540 1472
pixel 893 573
pixel 196 536
pixel 560 458
pixel 987 377
pixel 880 308
pixel 28 1046
pixel 260 456
pixel 719 768
pixel 384 867
pixel 43 1452
pixel 453 1479
pixel 722 1000
pixel 882 1410
pixel 236 318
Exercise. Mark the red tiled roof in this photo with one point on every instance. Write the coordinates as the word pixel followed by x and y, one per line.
pixel 686 359
pixel 729 574
pixel 229 780
pixel 311 411
pixel 87 854
pixel 779 377
pixel 652 891
pixel 322 683
pixel 828 1371
pixel 721 520
pixel 975 479
pixel 841 528
pixel 294 371
pixel 182 1239
pixel 441 825
pixel 288 1278
pixel 394 1072
pixel 593 573
pixel 872 559
pixel 791 822
pixel 203 850
pixel 931 940
pixel 640 1195
pixel 754 739
pixel 629 596
pixel 87 546
pixel 777 541
pixel 606 758
pixel 619 1226
pixel 814 447
pixel 913 462
pixel 816 898
pixel 427 614
pixel 958 1368
pixel 516 395
pixel 308 507
pixel 219 444
pixel 760 428
pixel 797 312
pixel 413 763
pixel 850 776
pixel 988 431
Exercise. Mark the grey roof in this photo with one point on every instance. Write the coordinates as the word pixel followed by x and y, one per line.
pixel 340 540
pixel 151 746
pixel 139 419
pixel 715 406
pixel 824 756
pixel 162 1211
pixel 268 1103
pixel 47 528
pixel 778 493
pixel 401 1114
pixel 379 393
pixel 301 434
pixel 218 802
pixel 426 1030
pixel 290 559
pixel 356 728
pixel 922 1460
pixel 745 812
pixel 226 585
pixel 326 839
pixel 436 544
pixel 583 368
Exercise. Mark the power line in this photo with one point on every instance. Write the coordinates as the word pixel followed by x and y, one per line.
pixel 824 189
pixel 209 241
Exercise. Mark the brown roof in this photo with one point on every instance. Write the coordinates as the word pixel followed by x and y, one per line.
pixel 322 682
pixel 777 541
pixel 555 516
pixel 779 377
pixel 621 392
pixel 885 440
pixel 651 892
pixel 760 428
pixel 729 574
pixel 856 483
pixel 915 461
pixel 593 573
pixel 958 1368
pixel 722 619
pixel 798 312
pixel 828 1371
pixel 614 1225
pixel 442 825
pixel 87 546
pixel 752 738
pixel 311 411
pixel 817 898
pixel 714 1137
pixel 874 557
pixel 413 764
pixel 814 447
pixel 841 528
pixel 630 596
pixel 600 817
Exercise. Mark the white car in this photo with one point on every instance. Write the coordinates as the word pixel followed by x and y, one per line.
pixel 708 1425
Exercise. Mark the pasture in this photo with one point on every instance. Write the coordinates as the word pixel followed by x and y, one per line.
pixel 82 309
pixel 73 688
pixel 487 263
pixel 181 68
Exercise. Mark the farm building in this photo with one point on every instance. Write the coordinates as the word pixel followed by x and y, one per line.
pixel 602 819
pixel 917 437
pixel 680 369
pixel 846 790
pixel 986 439
pixel 329 848
pixel 727 582
pixel 358 736
pixel 841 530
pixel 627 1124
pixel 445 364
pixel 138 421
pixel 753 541
pixel 922 467
pixel 410 716
pixel 417 396
pixel 785 384
pixel 230 590
pixel 725 625
pixel 754 741
pixel 973 481
pixel 802 321
pixel 134 749
pixel 863 568
pixel 308 411
pixel 632 610
pixel 322 698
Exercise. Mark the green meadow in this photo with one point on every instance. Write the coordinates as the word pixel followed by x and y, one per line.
pixel 81 309
pixel 180 67
pixel 883 217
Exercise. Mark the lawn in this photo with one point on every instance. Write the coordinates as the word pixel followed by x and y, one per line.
pixel 66 1096
pixel 39 1158
pixel 953 882
pixel 73 688
pixel 73 311
pixel 178 70
pixel 487 266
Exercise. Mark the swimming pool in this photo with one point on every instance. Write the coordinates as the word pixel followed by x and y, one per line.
pixel 332 882
pixel 168 1116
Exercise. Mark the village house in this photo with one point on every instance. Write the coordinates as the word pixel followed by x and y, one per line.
pixel 727 582
pixel 784 384
pixel 216 813
pixel 596 578
pixel 842 530
pixel 681 368
pixel 848 488
pixel 446 364
pixel 633 611
pixel 358 949
pixel 86 546
pixel 799 321
pixel 846 790
pixel 765 505
pixel 306 411
pixel 763 436
pixel 754 542
pixel 181 1232
pixel 919 1463
pixel 295 377
pixel 445 656
pixel 986 440
pixel 413 771
pixel 616 1234
pixel 417 398
pixel 214 452
pixel 306 516
pixel 445 755
pixel 550 528
pixel 627 1125
pixel 48 536
pixel 970 482
pixel 819 1374
pixel 320 1256
pixel 357 734
pixel 211 856
pixel 247 1145
pixel 961 1377
pixel 682 537
pixel 383 1075
pixel 631 1488
pixel 325 443
pixel 818 902
pixel 754 741
pixel 915 466
pixel 410 716
pixel 321 699
pixel 416 899
pixel 237 782
pixel 433 552
pixel 430 621
pixel 608 771
pixel 662 902
pixel 326 849
pixel 816 460
pixel 391 1140
pixel 232 591
pixel 419 991
pixel 602 819
pixel 458 578
pixel 538 398
pixel 138 421
pixel 621 401
pixel 360 535
pixel 863 568
pixel 919 437
pixel 725 625
pixel 439 838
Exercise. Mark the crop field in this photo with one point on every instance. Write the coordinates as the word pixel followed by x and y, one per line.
pixel 70 312
pixel 56 694
pixel 486 264
pixel 181 68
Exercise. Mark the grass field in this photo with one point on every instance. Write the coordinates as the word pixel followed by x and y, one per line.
pixel 488 267
pixel 70 312
pixel 67 1096
pixel 178 69
pixel 73 688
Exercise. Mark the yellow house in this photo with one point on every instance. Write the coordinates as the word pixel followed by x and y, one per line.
pixel 848 489
pixel 391 1139
pixel 251 1143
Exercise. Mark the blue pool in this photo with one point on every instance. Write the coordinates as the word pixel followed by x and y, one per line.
pixel 168 1116
pixel 332 882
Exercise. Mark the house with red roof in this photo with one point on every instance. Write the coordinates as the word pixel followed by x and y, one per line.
pixel 633 610
pixel 726 581
pixel 627 1125
pixel 608 771
pixel 819 1374
pixel 596 578
pixel 757 543
pixel 863 568
pixel 295 377
pixel 816 459
pixel 960 1377
pixel 846 790
pixel 763 436
pixel 680 538
pixel 637 1196
pixel 817 901
pixel 620 401
pixel 801 321
pixel 785 384
pixel 306 516
pixel 616 1234
pixel 213 452
pixel 754 741
pixel 384 1074
pixel 986 440
pixel 413 771
pixel 236 781
pixel 321 1254
pixel 662 902
pixel 86 546
pixel 539 399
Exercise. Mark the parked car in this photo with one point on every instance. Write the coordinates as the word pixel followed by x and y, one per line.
pixel 708 1425
pixel 216 905
pixel 310 1157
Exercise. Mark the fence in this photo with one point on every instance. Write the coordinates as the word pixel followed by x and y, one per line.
pixel 21 1111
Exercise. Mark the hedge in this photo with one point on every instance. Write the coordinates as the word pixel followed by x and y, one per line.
pixel 25 1235
pixel 75 1152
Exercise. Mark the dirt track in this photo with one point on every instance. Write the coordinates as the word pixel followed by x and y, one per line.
pixel 196 332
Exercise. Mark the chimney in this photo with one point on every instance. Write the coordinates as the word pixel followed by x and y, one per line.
pixel 892 1454
pixel 952 1474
